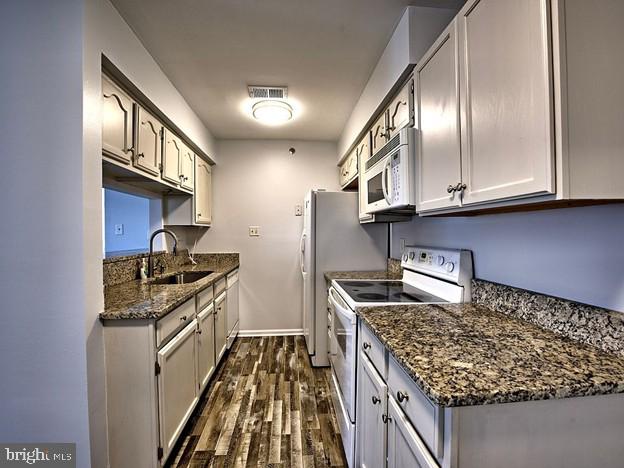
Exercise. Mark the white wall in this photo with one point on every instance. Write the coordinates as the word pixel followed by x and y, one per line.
pixel 43 387
pixel 574 253
pixel 105 32
pixel 258 183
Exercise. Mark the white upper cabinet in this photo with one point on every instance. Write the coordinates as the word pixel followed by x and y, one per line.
pixel 506 99
pixel 401 109
pixel 203 192
pixel 149 143
pixel 187 166
pixel 439 152
pixel 117 122
pixel 171 157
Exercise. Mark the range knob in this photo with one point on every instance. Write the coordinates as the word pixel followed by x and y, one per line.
pixel 405 258
pixel 450 266
pixel 412 255
pixel 440 260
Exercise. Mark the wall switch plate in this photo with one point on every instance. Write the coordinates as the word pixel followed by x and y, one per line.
pixel 119 229
pixel 254 231
pixel 298 210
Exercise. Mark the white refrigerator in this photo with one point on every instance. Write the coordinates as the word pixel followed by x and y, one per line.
pixel 333 240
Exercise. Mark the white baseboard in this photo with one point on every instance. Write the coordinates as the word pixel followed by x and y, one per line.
pixel 276 332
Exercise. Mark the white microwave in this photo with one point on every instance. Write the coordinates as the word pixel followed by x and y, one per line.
pixel 390 174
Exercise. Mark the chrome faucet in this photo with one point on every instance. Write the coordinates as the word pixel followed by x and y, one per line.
pixel 150 272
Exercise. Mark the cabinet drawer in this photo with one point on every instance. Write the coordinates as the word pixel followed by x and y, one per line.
pixel 219 287
pixel 232 278
pixel 426 417
pixel 173 321
pixel 204 298
pixel 372 347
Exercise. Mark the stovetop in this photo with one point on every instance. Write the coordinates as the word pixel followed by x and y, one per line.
pixel 386 291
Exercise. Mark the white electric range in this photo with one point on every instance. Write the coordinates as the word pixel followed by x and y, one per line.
pixel 430 276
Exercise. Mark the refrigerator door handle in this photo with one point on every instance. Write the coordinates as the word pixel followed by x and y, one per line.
pixel 302 252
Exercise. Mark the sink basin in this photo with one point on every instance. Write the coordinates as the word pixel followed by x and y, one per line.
pixel 181 278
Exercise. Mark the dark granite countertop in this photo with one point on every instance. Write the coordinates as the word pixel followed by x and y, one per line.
pixel 372 275
pixel 139 299
pixel 468 354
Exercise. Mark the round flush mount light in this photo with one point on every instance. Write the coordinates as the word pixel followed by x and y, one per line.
pixel 272 112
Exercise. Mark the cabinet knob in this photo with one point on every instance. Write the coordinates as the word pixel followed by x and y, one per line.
pixel 199 332
pixel 141 155
pixel 375 400
pixel 183 318
pixel 366 346
pixel 385 418
pixel 198 214
pixel 401 396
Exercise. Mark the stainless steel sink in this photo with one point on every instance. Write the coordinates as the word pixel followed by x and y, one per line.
pixel 181 278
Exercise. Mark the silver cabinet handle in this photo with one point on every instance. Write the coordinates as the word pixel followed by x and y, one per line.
pixel 401 396
pixel 366 346
pixel 141 155
pixel 385 418
pixel 451 189
pixel 460 187
pixel 375 400
pixel 183 318
pixel 199 332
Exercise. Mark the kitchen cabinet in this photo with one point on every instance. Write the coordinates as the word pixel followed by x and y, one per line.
pixel 148 143
pixel 187 168
pixel 203 192
pixel 349 170
pixel 379 132
pixel 220 325
pixel 177 389
pixel 118 112
pixel 232 307
pixel 439 152
pixel 171 157
pixel 372 399
pixel 205 346
pixel 404 446
pixel 401 109
pixel 506 99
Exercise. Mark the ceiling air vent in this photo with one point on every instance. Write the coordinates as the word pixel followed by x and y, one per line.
pixel 268 92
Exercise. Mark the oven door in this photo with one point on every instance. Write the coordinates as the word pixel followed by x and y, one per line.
pixel 343 349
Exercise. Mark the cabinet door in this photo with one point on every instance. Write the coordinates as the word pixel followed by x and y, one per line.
pixel 401 109
pixel 187 166
pixel 177 388
pixel 220 326
pixel 372 397
pixel 379 132
pixel 404 446
pixel 117 122
pixel 171 157
pixel 506 99
pixel 205 346
pixel 203 192
pixel 149 143
pixel 348 169
pixel 439 149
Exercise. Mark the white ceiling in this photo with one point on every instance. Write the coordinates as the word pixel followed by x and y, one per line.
pixel 323 50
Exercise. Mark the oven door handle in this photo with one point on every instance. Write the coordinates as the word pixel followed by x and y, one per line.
pixel 340 307
pixel 384 185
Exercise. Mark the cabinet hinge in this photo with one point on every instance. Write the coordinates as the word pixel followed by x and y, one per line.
pixel 156 368
pixel 160 452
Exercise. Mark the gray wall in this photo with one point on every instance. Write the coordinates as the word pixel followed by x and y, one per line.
pixel 43 387
pixel 133 213
pixel 258 183
pixel 574 253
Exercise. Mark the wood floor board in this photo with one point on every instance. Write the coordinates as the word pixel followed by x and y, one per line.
pixel 265 407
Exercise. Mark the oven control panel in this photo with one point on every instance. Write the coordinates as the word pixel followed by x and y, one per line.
pixel 449 264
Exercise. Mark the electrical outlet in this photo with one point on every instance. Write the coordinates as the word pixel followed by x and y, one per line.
pixel 298 210
pixel 119 229
pixel 254 231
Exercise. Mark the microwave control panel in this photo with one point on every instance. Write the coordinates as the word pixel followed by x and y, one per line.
pixel 395 174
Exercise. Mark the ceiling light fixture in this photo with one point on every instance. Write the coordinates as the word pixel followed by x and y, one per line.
pixel 272 112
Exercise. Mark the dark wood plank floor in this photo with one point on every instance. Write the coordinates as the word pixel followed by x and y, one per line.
pixel 266 407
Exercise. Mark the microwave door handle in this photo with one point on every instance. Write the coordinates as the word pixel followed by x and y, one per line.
pixel 302 252
pixel 384 185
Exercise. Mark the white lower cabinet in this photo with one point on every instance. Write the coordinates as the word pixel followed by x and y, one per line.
pixel 371 412
pixel 205 346
pixel 220 325
pixel 177 389
pixel 405 448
